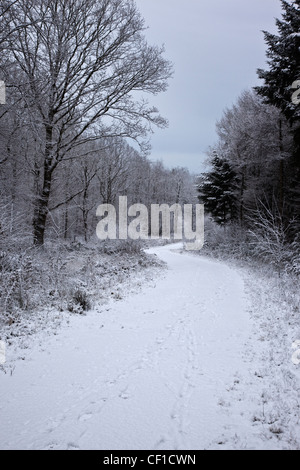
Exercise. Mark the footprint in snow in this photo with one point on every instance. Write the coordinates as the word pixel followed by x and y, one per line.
pixel 72 446
pixel 124 395
pixel 85 417
pixel 52 446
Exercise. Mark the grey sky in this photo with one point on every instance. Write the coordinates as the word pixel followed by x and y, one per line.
pixel 216 47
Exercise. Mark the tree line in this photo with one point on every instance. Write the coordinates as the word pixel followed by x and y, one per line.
pixel 77 73
pixel 254 176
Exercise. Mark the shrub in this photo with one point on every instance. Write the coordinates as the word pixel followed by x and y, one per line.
pixel 81 301
pixel 122 246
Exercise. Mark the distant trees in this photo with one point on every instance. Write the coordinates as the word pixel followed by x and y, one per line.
pixel 77 69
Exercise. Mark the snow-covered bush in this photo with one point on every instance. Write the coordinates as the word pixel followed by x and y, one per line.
pixel 269 237
pixel 265 242
pixel 226 241
pixel 121 246
pixel 294 265
pixel 18 276
pixel 64 276
pixel 80 301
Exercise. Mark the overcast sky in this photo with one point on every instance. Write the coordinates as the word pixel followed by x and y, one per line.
pixel 216 47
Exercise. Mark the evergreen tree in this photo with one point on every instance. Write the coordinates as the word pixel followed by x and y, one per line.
pixel 283 53
pixel 217 191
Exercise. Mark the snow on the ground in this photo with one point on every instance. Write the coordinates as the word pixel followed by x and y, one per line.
pixel 180 364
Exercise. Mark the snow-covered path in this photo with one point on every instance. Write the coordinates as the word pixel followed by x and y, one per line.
pixel 152 371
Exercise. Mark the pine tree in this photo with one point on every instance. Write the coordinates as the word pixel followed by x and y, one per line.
pixel 217 191
pixel 283 53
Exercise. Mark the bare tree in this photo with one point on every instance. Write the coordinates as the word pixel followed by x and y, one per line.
pixel 270 235
pixel 87 171
pixel 113 171
pixel 82 65
pixel 5 29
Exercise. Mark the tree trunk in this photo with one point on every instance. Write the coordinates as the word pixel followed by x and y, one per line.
pixel 85 225
pixel 242 199
pixel 39 223
pixel 66 227
pixel 41 212
pixel 294 185
pixel 85 214
pixel 281 171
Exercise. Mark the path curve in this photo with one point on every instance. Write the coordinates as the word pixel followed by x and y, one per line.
pixel 152 371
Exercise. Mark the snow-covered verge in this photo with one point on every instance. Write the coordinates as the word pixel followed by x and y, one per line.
pixel 276 324
pixel 273 358
pixel 46 288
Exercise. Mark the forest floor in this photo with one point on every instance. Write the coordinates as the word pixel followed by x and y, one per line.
pixel 192 354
